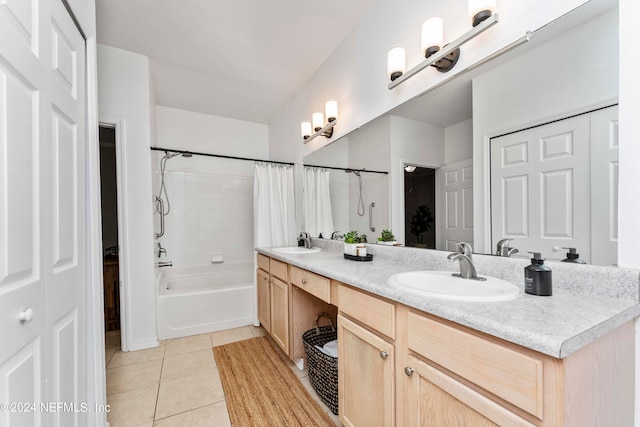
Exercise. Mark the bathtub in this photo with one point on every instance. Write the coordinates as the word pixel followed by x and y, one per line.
pixel 199 299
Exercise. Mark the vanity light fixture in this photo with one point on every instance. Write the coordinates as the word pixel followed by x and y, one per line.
pixel 479 10
pixel 441 57
pixel 317 124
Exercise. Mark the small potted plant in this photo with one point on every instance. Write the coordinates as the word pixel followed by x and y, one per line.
pixel 387 238
pixel 351 242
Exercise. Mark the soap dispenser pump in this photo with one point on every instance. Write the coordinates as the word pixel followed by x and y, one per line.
pixel 537 277
pixel 573 257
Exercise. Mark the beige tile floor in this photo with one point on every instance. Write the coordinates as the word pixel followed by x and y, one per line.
pixel 177 383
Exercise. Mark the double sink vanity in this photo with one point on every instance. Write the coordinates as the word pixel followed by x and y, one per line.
pixel 407 357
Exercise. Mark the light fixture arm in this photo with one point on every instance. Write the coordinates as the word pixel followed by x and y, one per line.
pixel 326 131
pixel 446 50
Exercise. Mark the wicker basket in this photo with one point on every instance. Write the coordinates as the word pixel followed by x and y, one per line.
pixel 323 369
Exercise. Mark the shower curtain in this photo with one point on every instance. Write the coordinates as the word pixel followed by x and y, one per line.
pixel 274 222
pixel 317 202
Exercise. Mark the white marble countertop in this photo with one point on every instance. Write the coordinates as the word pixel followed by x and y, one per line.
pixel 556 325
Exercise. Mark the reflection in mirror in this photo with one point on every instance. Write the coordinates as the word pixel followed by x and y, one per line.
pixel 352 194
pixel 530 187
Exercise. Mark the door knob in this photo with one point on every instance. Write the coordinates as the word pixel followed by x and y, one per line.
pixel 384 354
pixel 26 316
pixel 408 371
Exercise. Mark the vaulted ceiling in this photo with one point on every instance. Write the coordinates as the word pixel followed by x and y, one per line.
pixel 240 59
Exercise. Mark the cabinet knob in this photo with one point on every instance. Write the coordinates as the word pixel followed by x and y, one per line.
pixel 384 354
pixel 304 281
pixel 26 316
pixel 408 371
pixel 265 279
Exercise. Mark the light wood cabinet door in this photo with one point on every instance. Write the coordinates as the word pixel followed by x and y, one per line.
pixel 264 299
pixel 436 399
pixel 365 377
pixel 280 313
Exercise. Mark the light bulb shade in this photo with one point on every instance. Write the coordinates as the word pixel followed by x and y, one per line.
pixel 432 35
pixel 396 62
pixel 318 121
pixel 305 128
pixel 409 168
pixel 331 110
pixel 479 10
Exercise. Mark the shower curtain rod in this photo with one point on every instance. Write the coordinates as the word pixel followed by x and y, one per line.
pixel 218 155
pixel 347 169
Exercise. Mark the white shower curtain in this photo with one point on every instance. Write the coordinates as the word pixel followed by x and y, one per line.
pixel 317 202
pixel 274 222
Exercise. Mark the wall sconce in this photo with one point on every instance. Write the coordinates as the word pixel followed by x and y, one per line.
pixel 441 57
pixel 409 168
pixel 317 122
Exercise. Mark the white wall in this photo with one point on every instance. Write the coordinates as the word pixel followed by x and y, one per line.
pixel 416 143
pixel 123 94
pixel 369 149
pixel 538 93
pixel 458 142
pixel 211 198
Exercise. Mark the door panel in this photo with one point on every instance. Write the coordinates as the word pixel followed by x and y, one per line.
pixel 42 213
pixel 456 189
pixel 604 184
pixel 540 188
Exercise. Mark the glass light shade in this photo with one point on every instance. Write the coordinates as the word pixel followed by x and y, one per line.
pixel 331 110
pixel 477 6
pixel 409 168
pixel 305 128
pixel 318 121
pixel 432 33
pixel 396 62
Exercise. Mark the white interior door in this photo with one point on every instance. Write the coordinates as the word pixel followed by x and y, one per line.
pixel 540 188
pixel 604 186
pixel 42 213
pixel 456 205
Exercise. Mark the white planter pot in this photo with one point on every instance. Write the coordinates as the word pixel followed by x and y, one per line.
pixel 380 242
pixel 350 248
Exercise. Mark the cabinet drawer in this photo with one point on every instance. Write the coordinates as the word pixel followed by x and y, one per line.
pixel 509 374
pixel 371 311
pixel 278 269
pixel 312 283
pixel 263 262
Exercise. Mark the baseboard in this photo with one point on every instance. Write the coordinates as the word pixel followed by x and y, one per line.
pixel 144 344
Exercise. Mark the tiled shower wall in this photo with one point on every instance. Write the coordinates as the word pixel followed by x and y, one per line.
pixel 209 213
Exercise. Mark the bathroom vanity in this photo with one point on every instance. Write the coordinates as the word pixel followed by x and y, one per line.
pixel 567 360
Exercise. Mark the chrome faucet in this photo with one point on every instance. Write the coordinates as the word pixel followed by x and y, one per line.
pixel 503 248
pixel 465 249
pixel 336 235
pixel 304 237
pixel 467 269
pixel 161 250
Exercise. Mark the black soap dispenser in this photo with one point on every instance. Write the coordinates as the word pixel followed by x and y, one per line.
pixel 537 277
pixel 573 257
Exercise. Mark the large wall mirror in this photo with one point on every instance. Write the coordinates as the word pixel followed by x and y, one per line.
pixel 521 147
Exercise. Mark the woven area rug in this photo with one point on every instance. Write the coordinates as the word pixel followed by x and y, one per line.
pixel 261 390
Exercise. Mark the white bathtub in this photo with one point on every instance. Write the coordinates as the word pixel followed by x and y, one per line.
pixel 199 299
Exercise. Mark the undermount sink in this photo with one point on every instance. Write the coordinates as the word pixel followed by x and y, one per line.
pixel 295 250
pixel 441 284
